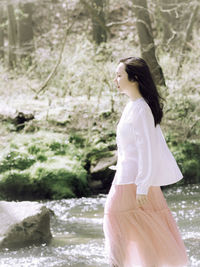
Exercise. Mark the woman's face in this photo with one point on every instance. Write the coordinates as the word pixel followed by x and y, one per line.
pixel 121 79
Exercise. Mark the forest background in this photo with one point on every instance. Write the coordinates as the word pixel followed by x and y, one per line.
pixel 59 106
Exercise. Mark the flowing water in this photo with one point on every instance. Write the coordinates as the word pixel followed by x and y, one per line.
pixel 78 236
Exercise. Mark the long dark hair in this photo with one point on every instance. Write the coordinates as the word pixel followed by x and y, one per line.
pixel 138 70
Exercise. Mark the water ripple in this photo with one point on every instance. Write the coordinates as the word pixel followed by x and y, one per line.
pixel 78 239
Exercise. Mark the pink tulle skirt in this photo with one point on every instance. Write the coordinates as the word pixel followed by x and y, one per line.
pixel 144 236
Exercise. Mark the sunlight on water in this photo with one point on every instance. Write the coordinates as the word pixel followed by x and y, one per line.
pixel 78 235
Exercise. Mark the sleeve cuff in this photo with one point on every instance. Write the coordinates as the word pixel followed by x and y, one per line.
pixel 142 189
pixel 113 167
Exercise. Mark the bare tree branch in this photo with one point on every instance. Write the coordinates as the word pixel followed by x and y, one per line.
pixel 109 25
pixel 53 72
pixel 187 34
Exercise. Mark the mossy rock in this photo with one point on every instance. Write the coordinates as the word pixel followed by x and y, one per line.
pixel 42 168
pixel 17 186
pixel 61 183
pixel 46 184
pixel 187 155
pixel 16 160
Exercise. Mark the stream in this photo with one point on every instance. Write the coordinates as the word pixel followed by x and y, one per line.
pixel 78 239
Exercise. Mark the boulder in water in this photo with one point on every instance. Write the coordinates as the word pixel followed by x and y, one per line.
pixel 23 223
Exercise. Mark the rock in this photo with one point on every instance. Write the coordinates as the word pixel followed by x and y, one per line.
pixel 102 175
pixel 23 223
pixel 21 118
pixel 104 163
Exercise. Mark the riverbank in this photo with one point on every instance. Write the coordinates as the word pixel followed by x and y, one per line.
pixel 52 159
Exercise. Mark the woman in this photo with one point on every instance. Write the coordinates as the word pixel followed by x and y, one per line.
pixel 138 225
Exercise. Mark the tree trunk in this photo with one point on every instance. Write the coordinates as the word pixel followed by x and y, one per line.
pixel 1 34
pixel 97 14
pixel 99 30
pixel 12 37
pixel 146 40
pixel 25 31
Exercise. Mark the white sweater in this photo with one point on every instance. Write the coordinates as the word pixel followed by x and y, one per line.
pixel 143 155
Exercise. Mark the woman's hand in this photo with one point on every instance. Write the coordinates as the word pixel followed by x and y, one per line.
pixel 141 199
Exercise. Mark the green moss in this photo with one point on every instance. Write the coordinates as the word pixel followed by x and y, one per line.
pixel 34 149
pixel 16 160
pixel 41 158
pixel 61 183
pixel 187 155
pixel 191 170
pixel 77 139
pixel 41 167
pixel 16 185
pixel 93 154
pixel 49 172
pixel 44 184
pixel 58 148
